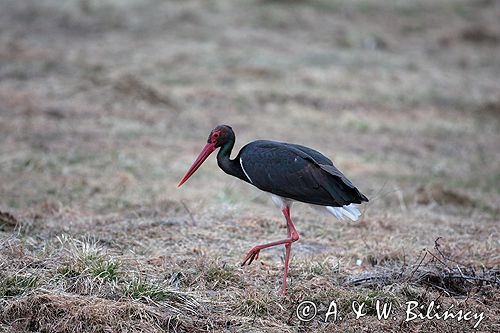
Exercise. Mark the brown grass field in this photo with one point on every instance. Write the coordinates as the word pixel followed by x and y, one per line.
pixel 105 104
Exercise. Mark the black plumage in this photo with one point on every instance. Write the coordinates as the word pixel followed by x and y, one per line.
pixel 296 172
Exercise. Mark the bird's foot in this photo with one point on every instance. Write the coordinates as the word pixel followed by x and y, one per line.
pixel 252 255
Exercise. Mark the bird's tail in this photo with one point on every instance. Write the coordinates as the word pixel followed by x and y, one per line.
pixel 349 211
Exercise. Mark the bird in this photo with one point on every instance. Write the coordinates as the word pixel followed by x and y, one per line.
pixel 289 172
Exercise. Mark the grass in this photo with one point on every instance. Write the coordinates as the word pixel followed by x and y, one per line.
pixel 256 306
pixel 107 270
pixel 17 285
pixel 220 275
pixel 149 290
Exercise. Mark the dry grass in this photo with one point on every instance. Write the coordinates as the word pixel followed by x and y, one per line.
pixel 104 105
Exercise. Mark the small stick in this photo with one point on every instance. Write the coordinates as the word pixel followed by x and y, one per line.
pixel 419 264
pixel 440 261
pixel 193 221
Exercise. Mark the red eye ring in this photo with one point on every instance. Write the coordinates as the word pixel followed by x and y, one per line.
pixel 215 136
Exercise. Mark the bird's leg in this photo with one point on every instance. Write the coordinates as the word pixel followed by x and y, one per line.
pixel 293 236
pixel 288 249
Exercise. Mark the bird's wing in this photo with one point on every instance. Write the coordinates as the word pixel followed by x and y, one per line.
pixel 316 155
pixel 290 172
pixel 327 165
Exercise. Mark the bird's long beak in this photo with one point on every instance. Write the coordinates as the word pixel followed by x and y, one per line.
pixel 207 150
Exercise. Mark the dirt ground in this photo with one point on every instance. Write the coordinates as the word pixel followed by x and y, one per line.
pixel 105 104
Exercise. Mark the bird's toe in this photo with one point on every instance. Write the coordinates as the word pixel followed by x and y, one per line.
pixel 252 255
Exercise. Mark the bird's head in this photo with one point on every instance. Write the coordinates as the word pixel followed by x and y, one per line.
pixel 221 135
pixel 218 137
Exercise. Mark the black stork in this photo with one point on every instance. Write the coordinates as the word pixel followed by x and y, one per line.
pixel 289 172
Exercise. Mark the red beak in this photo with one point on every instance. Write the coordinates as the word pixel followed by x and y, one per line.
pixel 207 150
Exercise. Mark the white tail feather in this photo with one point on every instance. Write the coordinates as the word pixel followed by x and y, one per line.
pixel 353 210
pixel 335 211
pixel 349 211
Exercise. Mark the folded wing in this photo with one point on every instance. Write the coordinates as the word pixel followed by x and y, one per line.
pixel 298 173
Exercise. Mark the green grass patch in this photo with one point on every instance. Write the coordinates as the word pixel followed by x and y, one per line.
pixel 69 271
pixel 107 270
pixel 140 289
pixel 88 258
pixel 159 292
pixel 17 285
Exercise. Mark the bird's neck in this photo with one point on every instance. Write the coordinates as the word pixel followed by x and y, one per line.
pixel 229 166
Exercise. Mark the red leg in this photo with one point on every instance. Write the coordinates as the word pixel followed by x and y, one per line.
pixel 254 252
pixel 293 236
pixel 288 249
